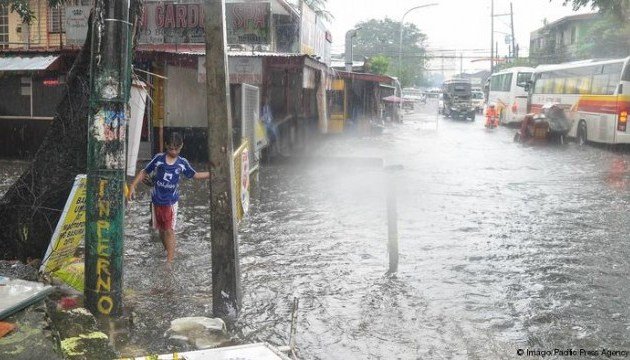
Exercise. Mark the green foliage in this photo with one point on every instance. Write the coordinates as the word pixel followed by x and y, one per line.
pixel 606 37
pixel 319 6
pixel 23 9
pixel 620 9
pixel 379 64
pixel 381 38
pixel 514 63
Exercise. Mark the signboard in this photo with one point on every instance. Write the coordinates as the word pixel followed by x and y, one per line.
pixel 242 70
pixel 245 70
pixel 248 23
pixel 70 230
pixel 171 22
pixel 76 24
pixel 245 180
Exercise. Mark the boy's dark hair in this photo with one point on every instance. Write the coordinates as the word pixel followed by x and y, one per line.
pixel 175 139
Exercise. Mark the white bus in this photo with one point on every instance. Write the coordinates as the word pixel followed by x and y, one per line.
pixel 507 93
pixel 594 94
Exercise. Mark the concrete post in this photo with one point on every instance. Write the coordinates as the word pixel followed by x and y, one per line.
pixel 226 293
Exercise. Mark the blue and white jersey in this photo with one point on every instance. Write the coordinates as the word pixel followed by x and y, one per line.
pixel 166 180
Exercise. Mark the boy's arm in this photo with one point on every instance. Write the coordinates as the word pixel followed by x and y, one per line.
pixel 202 175
pixel 132 188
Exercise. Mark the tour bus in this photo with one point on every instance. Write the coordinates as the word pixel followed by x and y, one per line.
pixel 595 95
pixel 507 93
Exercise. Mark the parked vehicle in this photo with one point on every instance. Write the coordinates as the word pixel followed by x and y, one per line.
pixel 457 98
pixel 594 94
pixel 507 91
pixel 551 123
pixel 478 101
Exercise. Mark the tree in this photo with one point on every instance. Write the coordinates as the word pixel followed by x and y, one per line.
pixel 606 37
pixel 32 206
pixel 23 9
pixel 319 6
pixel 379 64
pixel 381 38
pixel 620 9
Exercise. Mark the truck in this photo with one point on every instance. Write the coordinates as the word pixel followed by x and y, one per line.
pixel 457 99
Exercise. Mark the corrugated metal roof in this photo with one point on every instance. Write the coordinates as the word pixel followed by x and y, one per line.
pixel 24 63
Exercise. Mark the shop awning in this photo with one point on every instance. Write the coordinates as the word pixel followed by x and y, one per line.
pixel 27 63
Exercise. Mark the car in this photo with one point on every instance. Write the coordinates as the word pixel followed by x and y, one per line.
pixel 478 101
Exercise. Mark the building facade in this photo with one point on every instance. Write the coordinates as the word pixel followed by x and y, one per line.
pixel 282 49
pixel 560 40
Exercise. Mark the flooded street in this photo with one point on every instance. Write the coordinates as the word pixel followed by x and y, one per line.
pixel 502 247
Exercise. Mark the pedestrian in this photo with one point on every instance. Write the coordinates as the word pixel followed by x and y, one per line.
pixel 168 167
pixel 267 118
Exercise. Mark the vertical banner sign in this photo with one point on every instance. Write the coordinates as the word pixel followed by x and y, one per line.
pixel 70 230
pixel 107 128
pixel 245 180
pixel 76 24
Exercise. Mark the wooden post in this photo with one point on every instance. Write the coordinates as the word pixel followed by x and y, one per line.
pixel 226 294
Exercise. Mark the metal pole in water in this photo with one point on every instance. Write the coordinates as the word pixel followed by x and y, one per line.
pixel 392 217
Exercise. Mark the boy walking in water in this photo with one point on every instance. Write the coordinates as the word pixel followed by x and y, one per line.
pixel 168 167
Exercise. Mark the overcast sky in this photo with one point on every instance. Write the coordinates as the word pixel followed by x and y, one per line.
pixel 458 26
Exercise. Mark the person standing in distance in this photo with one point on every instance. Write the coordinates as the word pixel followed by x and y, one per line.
pixel 168 167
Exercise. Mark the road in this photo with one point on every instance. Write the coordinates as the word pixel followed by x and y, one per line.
pixel 502 247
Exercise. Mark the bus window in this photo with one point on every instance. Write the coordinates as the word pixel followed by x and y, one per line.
pixel 558 86
pixel 495 83
pixel 507 82
pixel 600 84
pixel 626 74
pixel 522 78
pixel 570 85
pixel 549 86
pixel 584 85
pixel 540 85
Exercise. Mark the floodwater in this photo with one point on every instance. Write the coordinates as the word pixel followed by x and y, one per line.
pixel 502 247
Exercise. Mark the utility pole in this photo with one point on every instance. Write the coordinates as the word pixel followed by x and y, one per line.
pixel 491 36
pixel 226 287
pixel 461 65
pixel 512 28
pixel 107 128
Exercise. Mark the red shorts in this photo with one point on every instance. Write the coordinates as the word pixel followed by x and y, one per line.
pixel 164 217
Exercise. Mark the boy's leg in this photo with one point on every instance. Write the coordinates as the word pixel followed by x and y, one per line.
pixel 166 217
pixel 169 244
pixel 163 238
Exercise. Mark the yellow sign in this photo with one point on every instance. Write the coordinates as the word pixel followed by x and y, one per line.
pixel 70 230
pixel 240 178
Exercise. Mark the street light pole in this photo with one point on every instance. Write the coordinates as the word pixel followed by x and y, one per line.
pixel 402 26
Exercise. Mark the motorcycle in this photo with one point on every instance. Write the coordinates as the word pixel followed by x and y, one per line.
pixel 492 118
pixel 551 124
